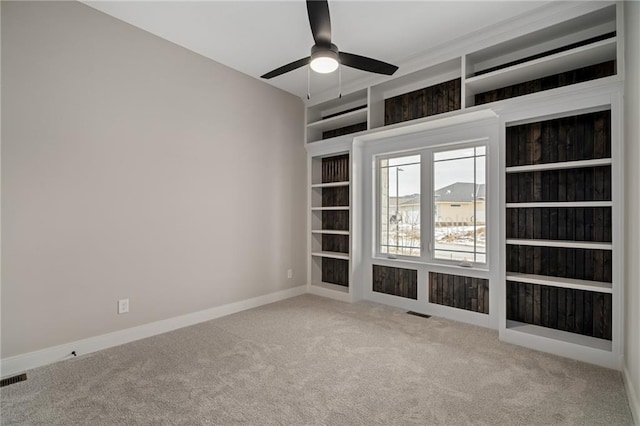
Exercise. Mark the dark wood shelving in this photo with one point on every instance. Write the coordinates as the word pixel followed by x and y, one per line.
pixel 332 248
pixel 562 185
pixel 567 78
pixel 560 223
pixel 576 311
pixel 468 293
pixel 574 138
pixel 566 287
pixel 432 100
pixel 395 281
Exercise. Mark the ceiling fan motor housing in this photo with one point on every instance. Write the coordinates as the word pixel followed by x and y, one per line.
pixel 324 58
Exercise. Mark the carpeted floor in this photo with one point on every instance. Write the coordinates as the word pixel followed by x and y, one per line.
pixel 310 360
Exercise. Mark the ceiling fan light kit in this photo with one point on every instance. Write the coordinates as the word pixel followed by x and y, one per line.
pixel 324 60
pixel 325 56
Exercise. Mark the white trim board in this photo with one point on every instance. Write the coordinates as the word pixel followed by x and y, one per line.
pixel 632 395
pixel 20 363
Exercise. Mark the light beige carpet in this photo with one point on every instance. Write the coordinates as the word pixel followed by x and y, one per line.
pixel 310 360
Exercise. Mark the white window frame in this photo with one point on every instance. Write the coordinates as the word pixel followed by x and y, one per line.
pixel 378 200
pixel 431 244
pixel 427 228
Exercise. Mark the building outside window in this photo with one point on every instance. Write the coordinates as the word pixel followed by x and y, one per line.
pixel 455 214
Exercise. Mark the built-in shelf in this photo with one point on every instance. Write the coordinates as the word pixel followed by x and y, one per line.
pixel 561 243
pixel 560 165
pixel 329 231
pixel 554 204
pixel 330 184
pixel 563 336
pixel 330 208
pixel 595 53
pixel 598 286
pixel 331 254
pixel 337 121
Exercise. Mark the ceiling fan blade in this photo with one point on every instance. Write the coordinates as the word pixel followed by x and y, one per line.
pixel 320 21
pixel 286 68
pixel 366 64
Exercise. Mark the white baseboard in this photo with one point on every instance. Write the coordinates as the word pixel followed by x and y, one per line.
pixel 632 395
pixel 20 363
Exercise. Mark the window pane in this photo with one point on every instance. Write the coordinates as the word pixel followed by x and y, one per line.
pixel 400 206
pixel 459 203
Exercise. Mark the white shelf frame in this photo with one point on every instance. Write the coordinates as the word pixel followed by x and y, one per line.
pixel 596 286
pixel 315 209
pixel 561 243
pixel 331 254
pixel 335 122
pixel 560 165
pixel 329 232
pixel 562 336
pixel 555 101
pixel 330 184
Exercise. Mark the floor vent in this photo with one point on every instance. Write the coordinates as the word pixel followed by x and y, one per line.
pixel 418 314
pixel 13 379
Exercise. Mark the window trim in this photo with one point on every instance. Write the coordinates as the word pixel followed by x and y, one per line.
pixel 432 237
pixel 427 203
pixel 378 200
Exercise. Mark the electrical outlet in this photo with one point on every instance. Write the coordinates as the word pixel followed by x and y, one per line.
pixel 123 306
pixel 289 273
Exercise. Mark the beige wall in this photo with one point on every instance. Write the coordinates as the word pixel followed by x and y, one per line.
pixel 462 214
pixel 121 153
pixel 632 196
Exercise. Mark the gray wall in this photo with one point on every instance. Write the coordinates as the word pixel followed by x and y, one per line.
pixel 632 195
pixel 132 167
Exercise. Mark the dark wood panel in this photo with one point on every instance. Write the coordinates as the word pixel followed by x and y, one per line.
pixel 420 103
pixel 335 196
pixel 335 220
pixel 573 223
pixel 395 281
pixel 579 137
pixel 582 264
pixel 335 271
pixel 336 243
pixel 335 169
pixel 353 128
pixel 583 184
pixel 471 294
pixel 577 311
pixel 579 75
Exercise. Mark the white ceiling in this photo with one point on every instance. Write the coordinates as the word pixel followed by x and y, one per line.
pixel 255 37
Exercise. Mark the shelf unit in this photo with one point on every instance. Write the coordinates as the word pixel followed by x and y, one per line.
pixel 558 280
pixel 338 116
pixel 581 48
pixel 563 60
pixel 330 222
pixel 579 57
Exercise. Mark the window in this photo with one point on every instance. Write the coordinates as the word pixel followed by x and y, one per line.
pixel 451 221
pixel 400 206
pixel 459 225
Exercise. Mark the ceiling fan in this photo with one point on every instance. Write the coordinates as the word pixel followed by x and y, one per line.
pixel 325 56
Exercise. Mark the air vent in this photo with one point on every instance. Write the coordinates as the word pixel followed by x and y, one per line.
pixel 14 379
pixel 418 314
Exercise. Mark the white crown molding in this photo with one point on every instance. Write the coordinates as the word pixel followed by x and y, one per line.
pixel 23 362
